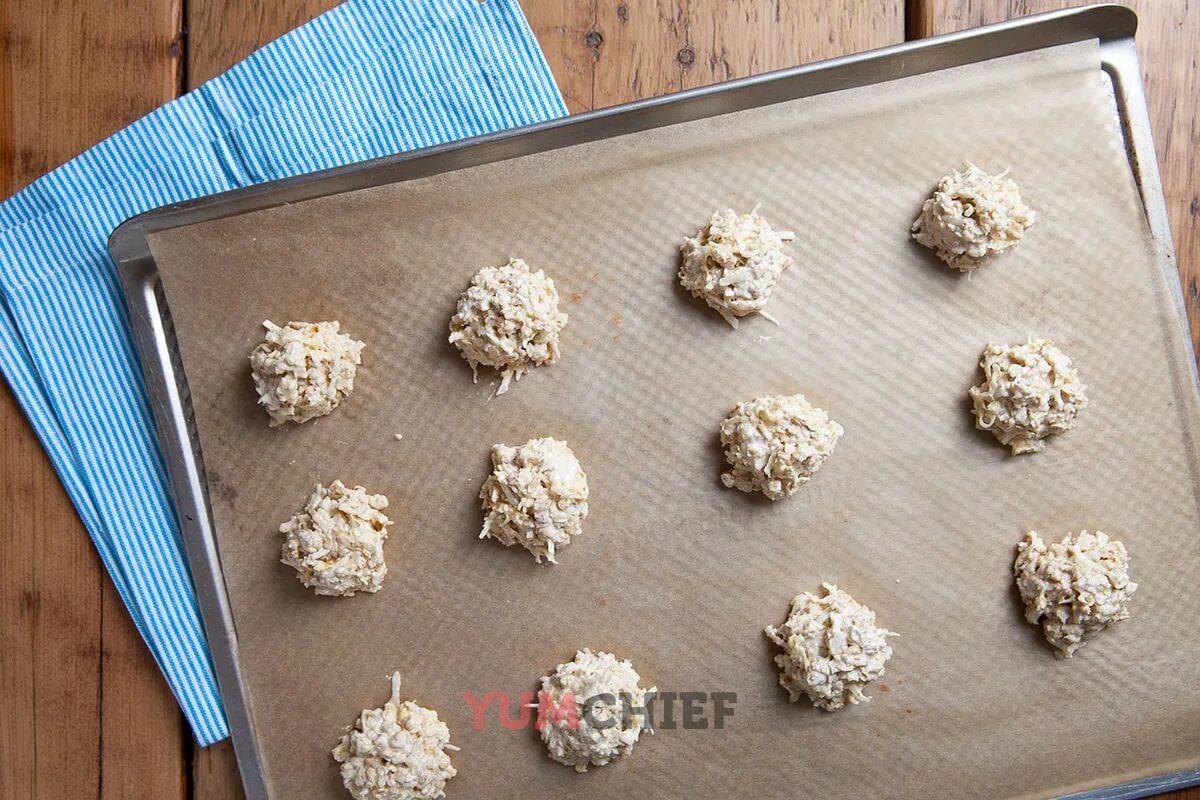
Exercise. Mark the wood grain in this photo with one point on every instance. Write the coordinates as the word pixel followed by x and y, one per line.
pixel 1167 37
pixel 215 774
pixel 919 19
pixel 72 667
pixel 605 52
pixel 736 39
pixel 49 598
pixel 223 32
pixel 562 28
pixel 144 750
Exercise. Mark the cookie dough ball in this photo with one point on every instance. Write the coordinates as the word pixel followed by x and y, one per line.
pixel 536 497
pixel 832 649
pixel 972 215
pixel 304 370
pixel 1029 393
pixel 607 727
pixel 775 445
pixel 1074 588
pixel 734 262
pixel 508 318
pixel 336 543
pixel 398 752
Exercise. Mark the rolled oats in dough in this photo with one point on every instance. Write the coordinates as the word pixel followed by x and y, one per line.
pixel 536 497
pixel 616 721
pixel 775 445
pixel 304 370
pixel 1029 393
pixel 734 262
pixel 398 752
pixel 335 543
pixel 971 216
pixel 832 649
pixel 1074 588
pixel 508 318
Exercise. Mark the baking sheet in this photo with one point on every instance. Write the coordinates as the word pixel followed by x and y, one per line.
pixel 916 514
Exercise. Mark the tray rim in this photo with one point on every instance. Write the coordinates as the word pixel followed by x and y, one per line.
pixel 1113 25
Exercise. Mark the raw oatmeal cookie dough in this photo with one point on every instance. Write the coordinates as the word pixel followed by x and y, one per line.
pixel 734 262
pixel 620 716
pixel 398 752
pixel 508 318
pixel 336 543
pixel 1029 393
pixel 971 216
pixel 775 445
pixel 832 649
pixel 536 497
pixel 1074 588
pixel 304 370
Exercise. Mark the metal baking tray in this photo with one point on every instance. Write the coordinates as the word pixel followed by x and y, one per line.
pixel 1114 26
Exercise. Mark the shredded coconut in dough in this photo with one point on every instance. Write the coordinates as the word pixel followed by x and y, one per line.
pixel 508 318
pixel 536 497
pixel 972 215
pixel 1029 392
pixel 336 543
pixel 775 445
pixel 397 752
pixel 304 370
pixel 1075 588
pixel 734 262
pixel 832 649
pixel 579 682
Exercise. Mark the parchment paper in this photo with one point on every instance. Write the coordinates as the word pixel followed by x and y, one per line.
pixel 917 514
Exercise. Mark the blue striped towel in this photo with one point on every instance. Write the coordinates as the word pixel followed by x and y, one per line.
pixel 369 78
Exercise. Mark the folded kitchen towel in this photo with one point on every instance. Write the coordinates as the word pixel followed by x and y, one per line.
pixel 369 78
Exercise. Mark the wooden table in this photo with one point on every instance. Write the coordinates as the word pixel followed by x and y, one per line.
pixel 83 711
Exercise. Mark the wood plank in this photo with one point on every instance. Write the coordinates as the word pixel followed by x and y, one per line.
pixel 1167 36
pixel 749 37
pixel 560 26
pixel 223 32
pixel 215 774
pixel 605 52
pixel 57 646
pixel 52 57
pixel 918 19
pixel 143 746
pixel 636 49
pixel 26 482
